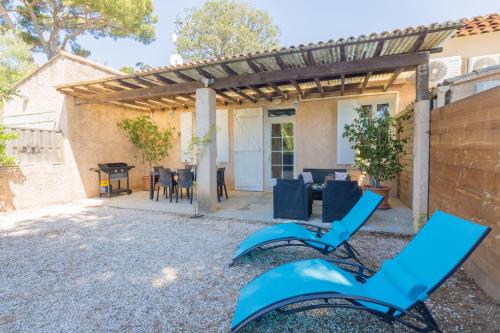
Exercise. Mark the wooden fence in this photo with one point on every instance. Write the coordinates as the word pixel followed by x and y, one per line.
pixel 36 146
pixel 465 174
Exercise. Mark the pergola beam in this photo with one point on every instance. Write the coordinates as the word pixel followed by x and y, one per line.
pixel 365 81
pixel 111 86
pixel 297 88
pixel 184 77
pixel 253 79
pixel 145 82
pixel 260 93
pixel 145 104
pixel 174 102
pixel 160 103
pixel 83 91
pixel 163 79
pixel 342 84
pixel 242 94
pixel 229 71
pixel 342 53
pixel 130 105
pixel 203 72
pixel 420 40
pixel 354 91
pixel 97 89
pixel 319 86
pixel 229 98
pixel 185 101
pixel 310 58
pixel 378 49
pixel 280 62
pixel 189 97
pixel 393 78
pixel 278 90
pixel 128 84
pixel 255 68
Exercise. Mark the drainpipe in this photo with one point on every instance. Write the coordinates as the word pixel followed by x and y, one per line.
pixel 442 92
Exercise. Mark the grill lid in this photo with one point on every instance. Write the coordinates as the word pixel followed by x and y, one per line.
pixel 112 165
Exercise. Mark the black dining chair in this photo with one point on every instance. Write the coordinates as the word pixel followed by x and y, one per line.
pixel 221 183
pixel 166 179
pixel 155 177
pixel 185 180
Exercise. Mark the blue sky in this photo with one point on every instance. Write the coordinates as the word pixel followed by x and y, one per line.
pixel 300 22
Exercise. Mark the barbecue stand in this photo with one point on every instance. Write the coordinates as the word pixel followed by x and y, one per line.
pixel 115 172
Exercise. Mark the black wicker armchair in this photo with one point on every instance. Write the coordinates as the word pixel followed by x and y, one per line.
pixel 339 196
pixel 292 199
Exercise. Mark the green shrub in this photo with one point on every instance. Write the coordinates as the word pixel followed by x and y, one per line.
pixel 6 160
pixel 377 146
pixel 145 134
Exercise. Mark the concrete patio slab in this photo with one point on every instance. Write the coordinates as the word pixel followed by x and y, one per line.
pixel 258 206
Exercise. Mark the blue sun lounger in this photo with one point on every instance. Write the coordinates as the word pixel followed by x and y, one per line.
pixel 321 239
pixel 395 294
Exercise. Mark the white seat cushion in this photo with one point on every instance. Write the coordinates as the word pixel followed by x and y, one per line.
pixel 340 175
pixel 307 177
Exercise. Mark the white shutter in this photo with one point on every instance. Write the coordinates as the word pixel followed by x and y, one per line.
pixel 222 136
pixel 346 113
pixel 248 149
pixel 186 136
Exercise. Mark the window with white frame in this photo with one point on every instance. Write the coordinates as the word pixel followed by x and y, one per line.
pixel 346 113
pixel 187 129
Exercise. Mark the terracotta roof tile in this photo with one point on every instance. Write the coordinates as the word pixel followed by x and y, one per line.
pixel 479 25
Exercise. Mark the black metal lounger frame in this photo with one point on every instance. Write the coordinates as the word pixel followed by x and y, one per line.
pixel 348 251
pixel 423 314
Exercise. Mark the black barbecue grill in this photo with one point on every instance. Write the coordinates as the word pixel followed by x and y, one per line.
pixel 116 172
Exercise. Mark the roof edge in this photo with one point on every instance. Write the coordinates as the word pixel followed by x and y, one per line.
pixel 477 74
pixel 73 57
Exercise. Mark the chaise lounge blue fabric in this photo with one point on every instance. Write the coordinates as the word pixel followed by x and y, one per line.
pixel 320 239
pixel 395 294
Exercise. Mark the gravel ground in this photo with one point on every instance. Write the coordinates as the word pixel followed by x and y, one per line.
pixel 121 270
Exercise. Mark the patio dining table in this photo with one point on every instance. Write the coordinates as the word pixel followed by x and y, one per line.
pixel 153 179
pixel 318 191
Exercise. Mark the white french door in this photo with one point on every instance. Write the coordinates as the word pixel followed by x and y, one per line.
pixel 248 149
pixel 280 149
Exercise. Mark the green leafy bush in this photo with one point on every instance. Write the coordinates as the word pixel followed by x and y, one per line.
pixel 377 145
pixel 6 160
pixel 145 134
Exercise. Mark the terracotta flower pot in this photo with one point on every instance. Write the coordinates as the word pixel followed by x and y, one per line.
pixel 383 191
pixel 145 183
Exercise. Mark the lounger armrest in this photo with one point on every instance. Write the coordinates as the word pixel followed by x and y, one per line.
pixel 362 272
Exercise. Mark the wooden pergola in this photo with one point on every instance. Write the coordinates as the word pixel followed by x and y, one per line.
pixel 335 68
pixel 371 63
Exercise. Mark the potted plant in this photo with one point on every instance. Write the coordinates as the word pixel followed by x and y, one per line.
pixel 378 149
pixel 153 142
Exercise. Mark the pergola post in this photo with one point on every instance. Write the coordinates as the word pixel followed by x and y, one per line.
pixel 207 169
pixel 421 147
